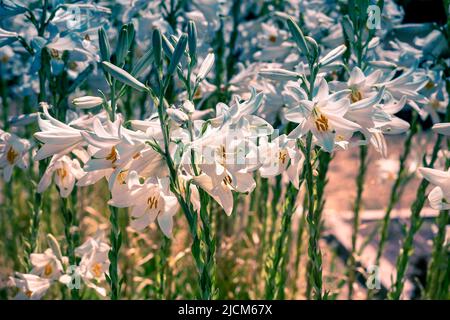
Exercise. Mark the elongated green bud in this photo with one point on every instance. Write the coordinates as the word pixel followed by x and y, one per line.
pixel 177 54
pixel 105 49
pixel 54 245
pixel 192 40
pixel 298 36
pixel 123 76
pixel 122 46
pixel 157 48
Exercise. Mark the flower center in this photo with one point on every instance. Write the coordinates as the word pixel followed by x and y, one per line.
pixel 273 38
pixel 112 156
pixel 355 96
pixel 227 180
pixel 62 173
pixel 29 293
pixel 321 123
pixel 11 155
pixel 48 270
pixel 97 269
pixel 435 104
pixel 429 85
pixel 152 202
pixel 282 156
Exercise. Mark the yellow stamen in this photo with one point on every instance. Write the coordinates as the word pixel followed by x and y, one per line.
pixel 227 180
pixel 48 270
pixel 152 202
pixel 282 156
pixel 430 85
pixel 321 123
pixel 355 96
pixel 112 156
pixel 11 155
pixel 97 269
pixel 62 173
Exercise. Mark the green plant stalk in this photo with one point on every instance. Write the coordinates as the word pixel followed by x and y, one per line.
pixel 276 190
pixel 416 222
pixel 163 267
pixel 395 192
pixel 363 150
pixel 274 260
pixel 299 246
pixel 115 238
pixel 435 284
pixel 69 218
pixel 313 220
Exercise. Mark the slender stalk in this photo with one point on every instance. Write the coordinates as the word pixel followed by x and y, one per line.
pixel 395 193
pixel 313 220
pixel 415 224
pixel 299 246
pixel 356 211
pixel 276 256
pixel 69 218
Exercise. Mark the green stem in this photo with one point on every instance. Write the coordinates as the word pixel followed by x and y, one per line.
pixel 395 192
pixel 356 211
pixel 115 238
pixel 276 256
pixel 415 224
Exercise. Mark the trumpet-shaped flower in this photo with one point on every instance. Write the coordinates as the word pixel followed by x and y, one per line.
pixel 149 201
pixel 64 172
pixel 323 116
pixel 13 152
pixel 439 197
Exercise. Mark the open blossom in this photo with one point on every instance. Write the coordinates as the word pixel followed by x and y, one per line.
pixel 56 136
pixel 64 171
pixel 324 116
pixel 279 155
pixel 31 286
pixel 13 151
pixel 439 197
pixel 93 265
pixel 442 128
pixel 149 201
pixel 47 265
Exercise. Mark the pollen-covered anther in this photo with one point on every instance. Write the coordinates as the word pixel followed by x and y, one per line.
pixel 97 269
pixel 61 172
pixel 282 156
pixel 152 202
pixel 321 123
pixel 227 180
pixel 112 156
pixel 48 270
pixel 11 155
pixel 355 96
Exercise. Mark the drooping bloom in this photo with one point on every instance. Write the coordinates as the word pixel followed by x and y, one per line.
pixel 439 197
pixel 324 116
pixel 64 172
pixel 13 152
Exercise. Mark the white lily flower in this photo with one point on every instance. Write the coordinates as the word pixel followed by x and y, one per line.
pixel 13 151
pixel 64 172
pixel 442 128
pixel 57 137
pixel 323 116
pixel 47 265
pixel 150 201
pixel 32 286
pixel 87 102
pixel 439 197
